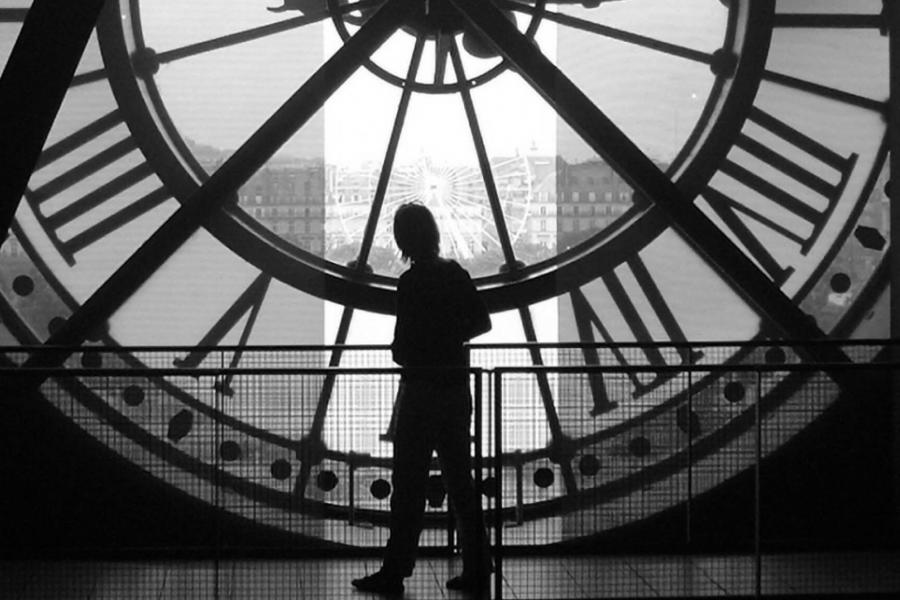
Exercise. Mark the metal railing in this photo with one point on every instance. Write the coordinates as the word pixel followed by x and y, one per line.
pixel 763 422
pixel 674 424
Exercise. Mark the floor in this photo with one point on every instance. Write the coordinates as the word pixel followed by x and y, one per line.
pixel 847 575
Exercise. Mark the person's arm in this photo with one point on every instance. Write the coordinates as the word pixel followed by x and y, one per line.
pixel 400 345
pixel 476 318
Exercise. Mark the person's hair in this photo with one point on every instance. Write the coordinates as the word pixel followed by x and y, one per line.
pixel 416 232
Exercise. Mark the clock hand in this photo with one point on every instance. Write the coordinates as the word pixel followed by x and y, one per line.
pixel 255 33
pixel 613 33
pixel 509 257
pixel 220 187
pixel 618 150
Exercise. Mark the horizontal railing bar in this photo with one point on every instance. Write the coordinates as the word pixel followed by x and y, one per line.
pixel 693 344
pixel 855 343
pixel 700 368
pixel 213 371
pixel 184 348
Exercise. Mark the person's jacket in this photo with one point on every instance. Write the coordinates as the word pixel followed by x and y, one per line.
pixel 438 310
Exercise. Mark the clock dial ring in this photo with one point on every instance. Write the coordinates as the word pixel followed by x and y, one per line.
pixel 532 510
pixel 286 443
pixel 286 501
pixel 587 496
pixel 818 271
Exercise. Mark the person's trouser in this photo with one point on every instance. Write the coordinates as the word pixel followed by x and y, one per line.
pixel 432 418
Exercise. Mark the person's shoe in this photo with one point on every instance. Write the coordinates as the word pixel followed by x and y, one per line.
pixel 380 582
pixel 469 583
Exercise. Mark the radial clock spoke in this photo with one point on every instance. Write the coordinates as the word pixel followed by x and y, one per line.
pixel 87 77
pixel 255 33
pixel 612 32
pixel 732 265
pixel 484 162
pixel 390 154
pixel 221 186
pixel 441 55
pixel 148 60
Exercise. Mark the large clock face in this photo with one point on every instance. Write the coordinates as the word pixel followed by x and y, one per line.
pixel 225 173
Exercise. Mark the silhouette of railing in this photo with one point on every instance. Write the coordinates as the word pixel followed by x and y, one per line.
pixel 611 435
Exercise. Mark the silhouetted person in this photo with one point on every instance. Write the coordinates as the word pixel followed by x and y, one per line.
pixel 438 310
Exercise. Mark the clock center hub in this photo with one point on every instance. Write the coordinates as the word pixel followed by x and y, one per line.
pixel 433 17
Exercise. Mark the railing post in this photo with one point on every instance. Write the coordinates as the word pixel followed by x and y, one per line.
pixel 218 390
pixel 892 13
pixel 690 455
pixel 498 486
pixel 478 426
pixel 351 493
pixel 479 455
pixel 757 512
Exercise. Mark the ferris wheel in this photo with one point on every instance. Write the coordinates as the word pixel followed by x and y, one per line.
pixel 456 195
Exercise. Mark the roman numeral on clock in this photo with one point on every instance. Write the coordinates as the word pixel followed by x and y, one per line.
pixel 796 211
pixel 248 303
pixel 832 20
pixel 125 190
pixel 587 321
